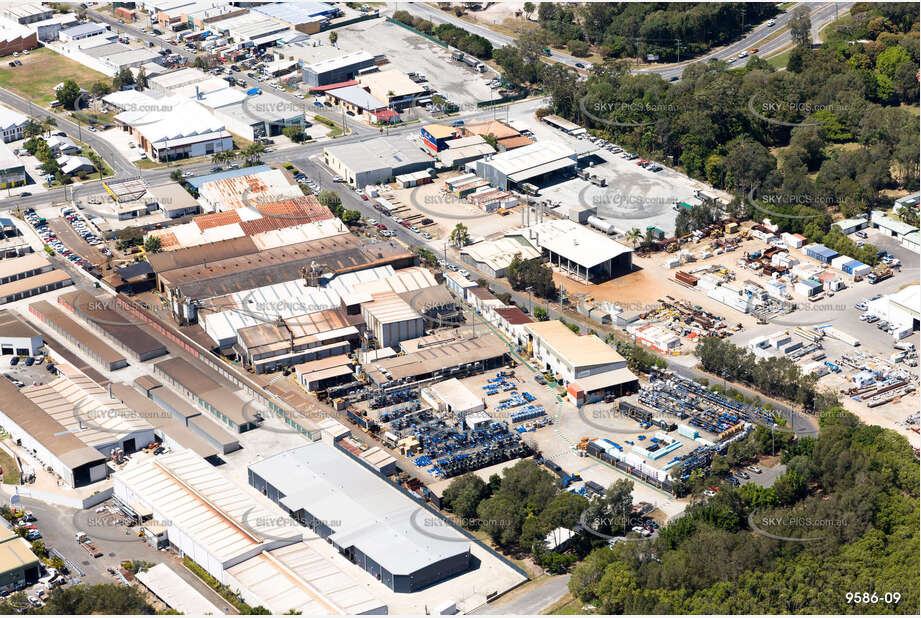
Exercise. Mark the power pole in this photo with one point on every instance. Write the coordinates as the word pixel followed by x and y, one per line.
pixel 678 48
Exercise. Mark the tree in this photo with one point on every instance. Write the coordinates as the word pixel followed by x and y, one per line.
pixel 459 235
pixel 618 499
pixel 464 494
pixel 801 26
pixel 295 133
pixel 176 174
pixel 528 9
pixel 68 94
pixel 333 37
pixel 153 244
pixel 122 79
pixel 100 89
pixel 634 236
pixel 251 153
pixel 331 200
pixel 350 217
pixel 541 314
pixel 141 79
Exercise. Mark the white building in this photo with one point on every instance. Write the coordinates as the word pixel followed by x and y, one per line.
pixel 527 164
pixel 391 319
pixel 17 337
pixel 452 397
pixel 901 309
pixel 590 368
pixel 12 123
pixel 375 161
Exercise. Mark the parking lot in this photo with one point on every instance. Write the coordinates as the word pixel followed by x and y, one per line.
pixel 407 52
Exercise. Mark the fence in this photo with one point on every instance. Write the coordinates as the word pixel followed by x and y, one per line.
pixel 254 391
pixel 419 32
pixel 501 100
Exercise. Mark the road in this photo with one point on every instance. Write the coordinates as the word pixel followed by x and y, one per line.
pixel 821 15
pixel 529 599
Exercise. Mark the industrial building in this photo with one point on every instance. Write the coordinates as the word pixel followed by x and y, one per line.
pixel 99 312
pixel 375 161
pixel 209 395
pixel 49 441
pixel 173 127
pixel 453 398
pixel 590 368
pixel 74 334
pixel 530 164
pixel 254 116
pixel 336 70
pixel 83 31
pixel 90 412
pixel 493 256
pixel 34 285
pixel 507 137
pixel 902 309
pixel 577 250
pixel 19 566
pixel 325 372
pixel 15 37
pixel 394 88
pixel 248 190
pixel 357 101
pixel 237 541
pixel 28 13
pixel 165 584
pixel 906 234
pixel 390 319
pixel 455 353
pixel 306 17
pixel 17 337
pixel 362 515
pixel 511 322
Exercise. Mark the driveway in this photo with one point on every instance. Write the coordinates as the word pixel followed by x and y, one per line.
pixel 530 598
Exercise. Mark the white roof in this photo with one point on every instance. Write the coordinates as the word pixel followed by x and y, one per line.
pixel 198 500
pixel 300 578
pixel 392 80
pixel 363 510
pixel 573 241
pixel 499 253
pixel 388 308
pixel 528 158
pixel 10 118
pixel 176 592
pixel 170 119
pixel 262 305
pixel 880 218
pixel 337 62
pixel 327 228
pixel 456 396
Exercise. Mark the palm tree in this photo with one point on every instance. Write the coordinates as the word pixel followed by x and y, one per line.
pixel 634 236
pixel 459 235
pixel 251 153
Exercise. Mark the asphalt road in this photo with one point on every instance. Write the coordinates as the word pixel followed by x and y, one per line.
pixel 530 599
pixel 821 15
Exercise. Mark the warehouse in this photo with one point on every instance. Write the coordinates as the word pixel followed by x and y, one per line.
pixel 511 321
pixel 239 191
pixel 99 312
pixel 306 17
pixel 335 70
pixel 86 409
pixel 453 398
pixel 17 337
pixel 252 29
pixel 820 253
pixel 493 256
pixel 53 444
pixel 255 116
pixel 435 136
pixel 216 399
pixel 165 584
pixel 325 372
pixel 277 344
pixel 19 566
pixel 375 161
pixel 529 164
pixel 563 125
pixel 590 368
pixel 83 31
pixel 894 228
pixel 901 309
pixel 238 542
pixel 365 518
pixel 849 226
pixel 74 334
pixel 577 250
pixel 34 285
pixel 355 100
pixel 454 353
pixel 390 319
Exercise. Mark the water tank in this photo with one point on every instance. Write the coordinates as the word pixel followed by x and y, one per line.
pixel 600 224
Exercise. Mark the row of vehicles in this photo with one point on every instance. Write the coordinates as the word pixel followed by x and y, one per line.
pixel 51 239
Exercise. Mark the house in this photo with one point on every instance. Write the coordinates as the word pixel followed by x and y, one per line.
pixel 71 165
pixel 12 124
pixel 62 145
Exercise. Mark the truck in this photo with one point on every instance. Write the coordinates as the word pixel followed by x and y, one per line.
pixel 457 55
pixel 879 275
pixel 547 51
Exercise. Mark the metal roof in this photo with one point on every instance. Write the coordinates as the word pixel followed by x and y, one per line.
pixel 198 181
pixel 185 490
pixel 168 586
pixel 362 508
pixel 577 350
pixel 572 241
pixel 357 96
pixel 524 162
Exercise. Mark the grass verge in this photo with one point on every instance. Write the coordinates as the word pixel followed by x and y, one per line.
pixel 10 469
pixel 42 70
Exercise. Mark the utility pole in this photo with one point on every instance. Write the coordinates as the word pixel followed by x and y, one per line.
pixel 678 48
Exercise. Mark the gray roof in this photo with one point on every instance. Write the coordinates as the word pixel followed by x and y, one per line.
pixel 379 153
pixel 83 29
pixel 361 507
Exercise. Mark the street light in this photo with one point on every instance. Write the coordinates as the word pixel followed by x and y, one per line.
pixel 530 300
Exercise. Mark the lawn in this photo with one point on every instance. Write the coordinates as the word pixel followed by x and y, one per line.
pixel 42 70
pixel 10 469
pixel 780 60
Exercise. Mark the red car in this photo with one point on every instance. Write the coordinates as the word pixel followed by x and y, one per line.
pixel 364 197
pixel 381 226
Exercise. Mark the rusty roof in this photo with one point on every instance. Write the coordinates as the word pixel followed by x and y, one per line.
pixel 287 213
pixel 221 250
pixel 216 219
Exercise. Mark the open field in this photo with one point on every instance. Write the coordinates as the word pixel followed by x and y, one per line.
pixel 41 71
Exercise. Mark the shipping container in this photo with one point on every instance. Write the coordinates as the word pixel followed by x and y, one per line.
pixel 686 277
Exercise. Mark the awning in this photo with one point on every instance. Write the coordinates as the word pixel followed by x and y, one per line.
pixel 540 170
